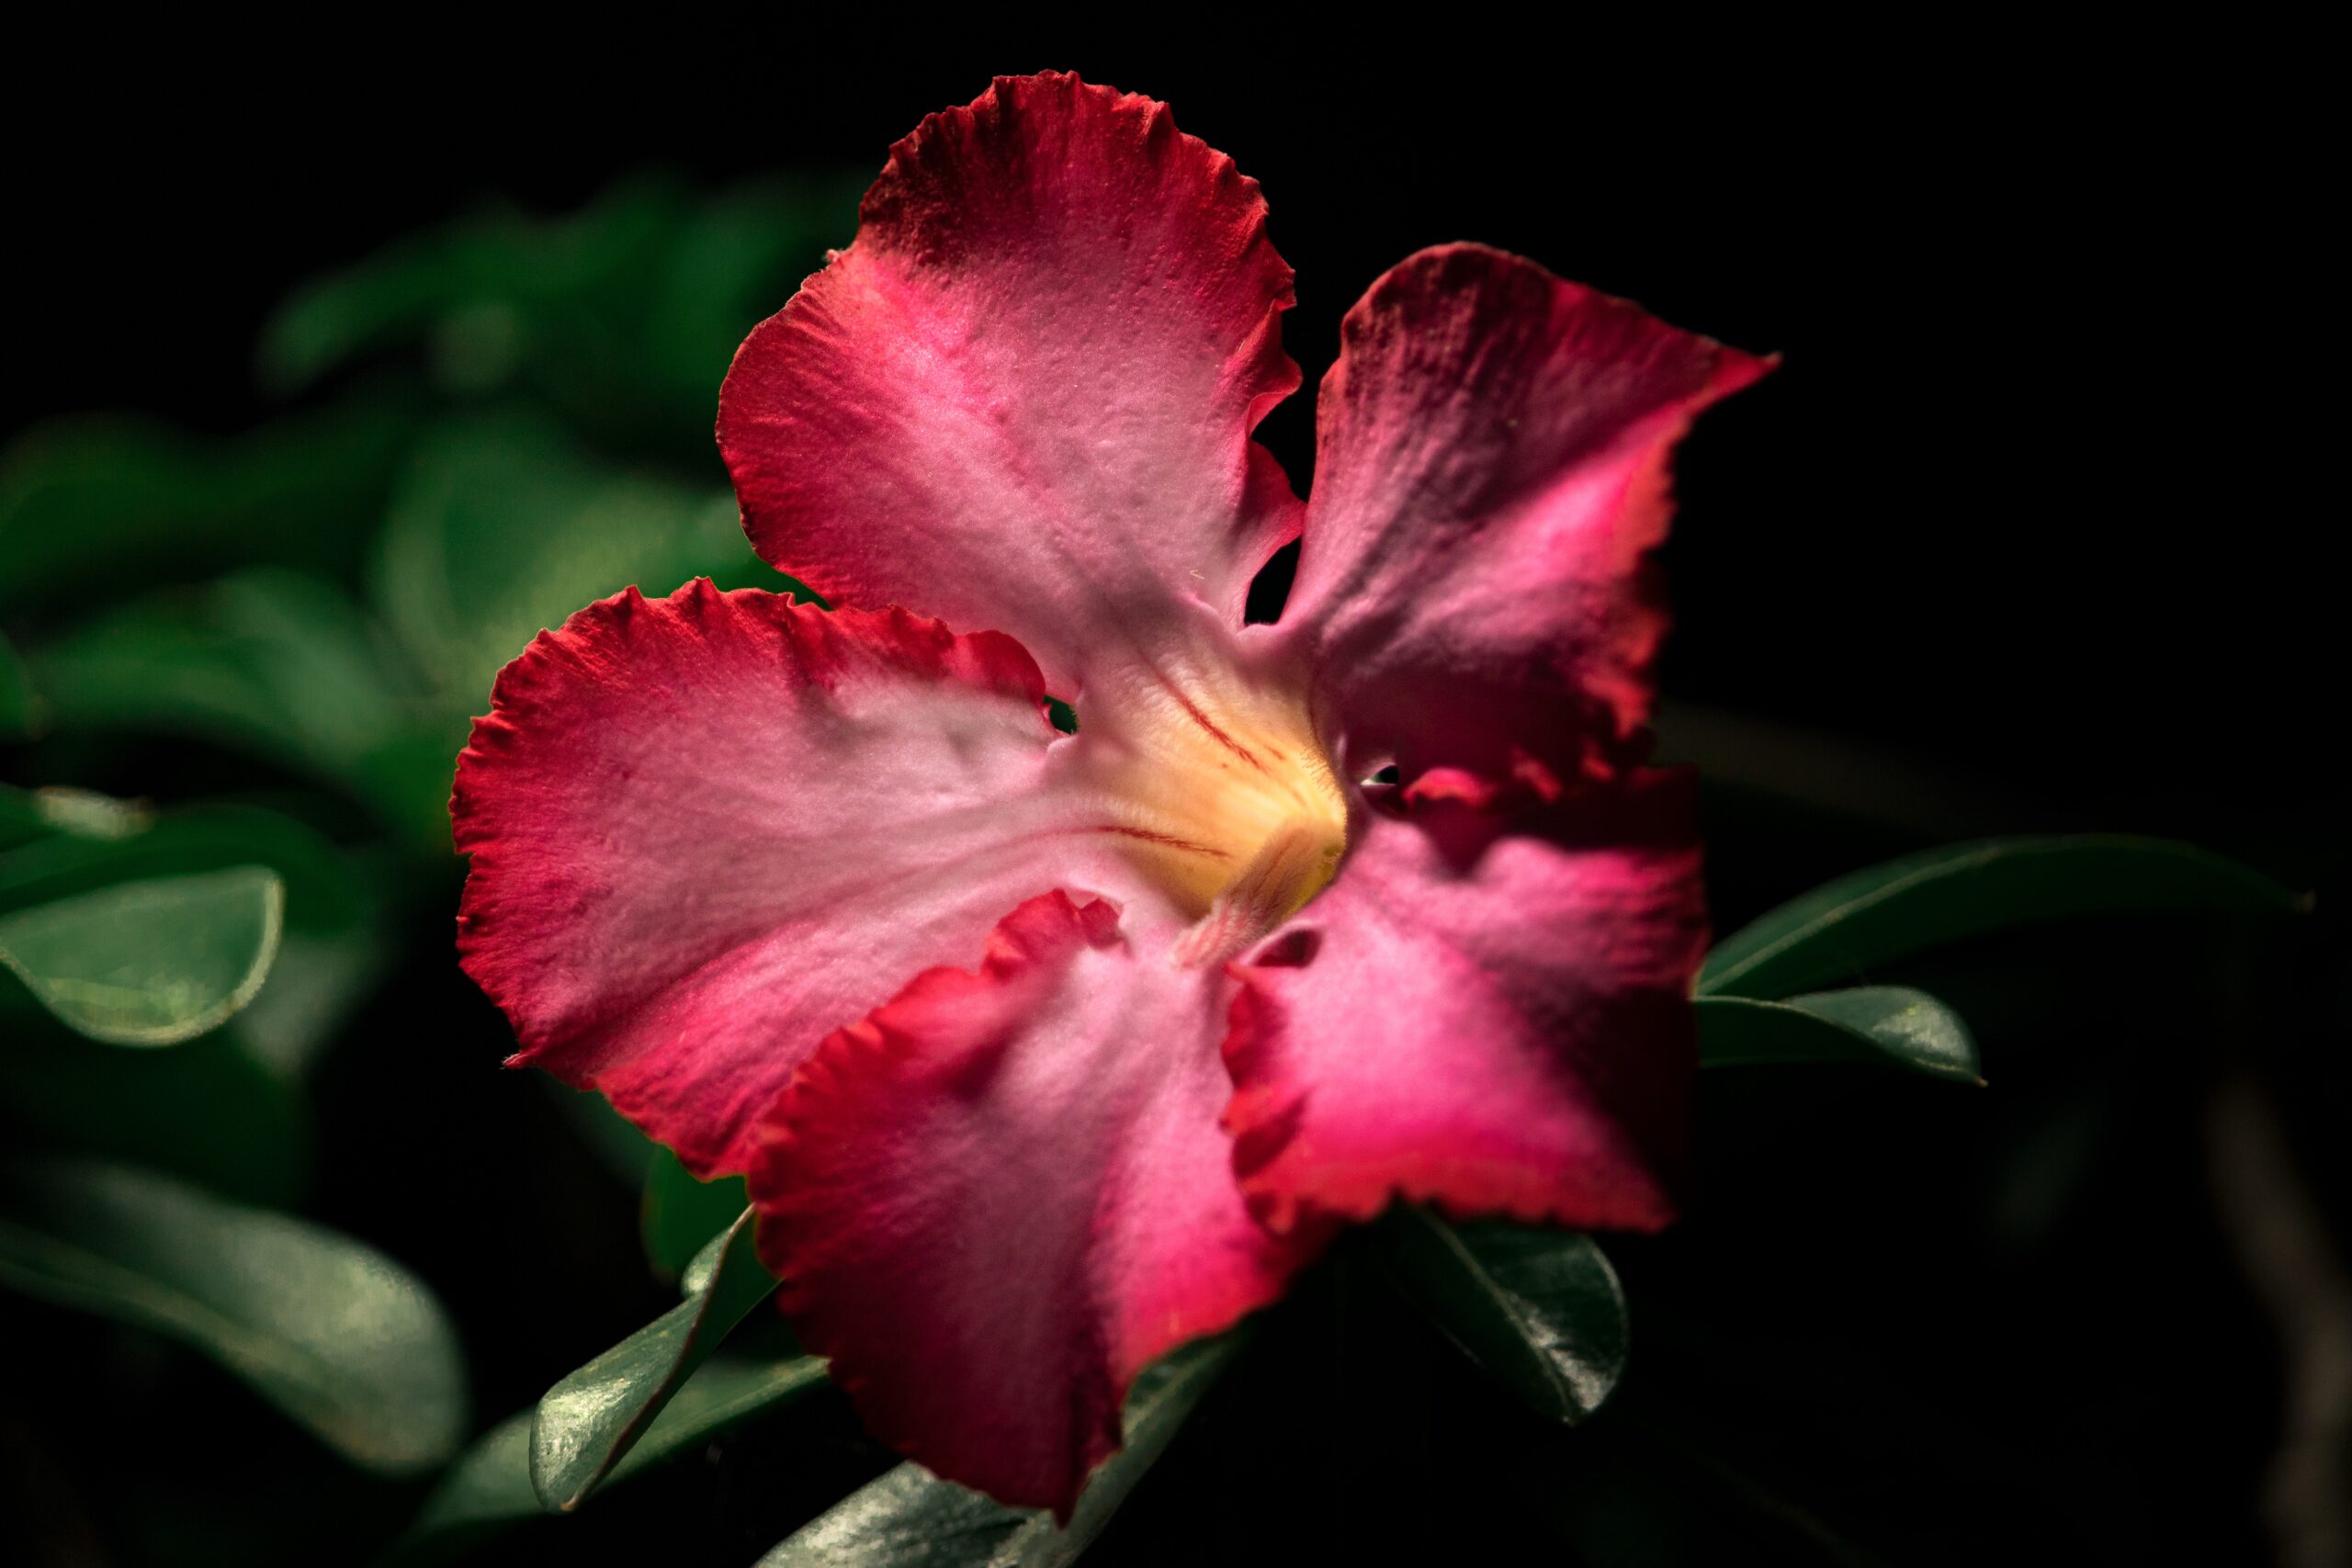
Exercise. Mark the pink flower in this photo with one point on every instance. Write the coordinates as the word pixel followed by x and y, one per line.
pixel 1046 1053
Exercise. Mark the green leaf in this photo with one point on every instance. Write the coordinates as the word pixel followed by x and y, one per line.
pixel 266 657
pixel 480 1496
pixel 504 528
pixel 679 1214
pixel 1842 927
pixel 211 1111
pixel 1884 1025
pixel 77 812
pixel 587 1422
pixel 19 708
pixel 484 291
pixel 911 1518
pixel 331 951
pixel 319 983
pixel 324 887
pixel 615 1140
pixel 731 263
pixel 489 1488
pixel 331 1332
pixel 620 315
pixel 1539 1310
pixel 105 504
pixel 150 962
pixel 269 661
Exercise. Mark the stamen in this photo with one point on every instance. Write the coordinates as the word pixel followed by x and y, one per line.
pixel 1289 868
pixel 1216 783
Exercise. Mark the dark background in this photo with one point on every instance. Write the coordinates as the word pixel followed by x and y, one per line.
pixel 2028 494
pixel 2021 537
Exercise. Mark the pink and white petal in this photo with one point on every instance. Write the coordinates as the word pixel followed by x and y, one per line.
pixel 1490 477
pixel 709 830
pixel 1004 1193
pixel 1489 1012
pixel 1023 398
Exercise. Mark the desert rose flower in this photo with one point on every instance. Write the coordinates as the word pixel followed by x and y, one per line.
pixel 1046 1053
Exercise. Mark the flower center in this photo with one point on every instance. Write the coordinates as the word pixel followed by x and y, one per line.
pixel 1223 798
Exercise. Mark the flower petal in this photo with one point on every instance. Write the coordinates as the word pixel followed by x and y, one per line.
pixel 1004 1193
pixel 1490 476
pixel 1023 398
pixel 1492 1012
pixel 709 830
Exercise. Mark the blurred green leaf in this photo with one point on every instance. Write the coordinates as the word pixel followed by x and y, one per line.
pixel 489 1488
pixel 679 1214
pixel 105 504
pixel 731 263
pixel 317 984
pixel 1540 1310
pixel 269 661
pixel 1763 769
pixel 504 529
pixel 588 1421
pixel 331 1332
pixel 79 813
pixel 484 1491
pixel 1882 1024
pixel 624 1151
pixel 623 315
pixel 1839 930
pixel 211 1111
pixel 267 657
pixel 150 962
pixel 911 1518
pixel 487 291
pixel 323 885
pixel 19 708
pixel 332 947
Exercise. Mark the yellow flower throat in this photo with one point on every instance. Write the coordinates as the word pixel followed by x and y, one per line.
pixel 1224 798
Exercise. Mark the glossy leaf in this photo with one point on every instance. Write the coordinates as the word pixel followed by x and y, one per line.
pixel 331 951
pixel 331 1332
pixel 149 963
pixel 106 504
pixel 489 1488
pixel 587 1422
pixel 1841 929
pixel 911 1518
pixel 1882 1024
pixel 679 1214
pixel 1539 1310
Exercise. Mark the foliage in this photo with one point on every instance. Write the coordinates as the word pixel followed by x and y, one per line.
pixel 285 634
